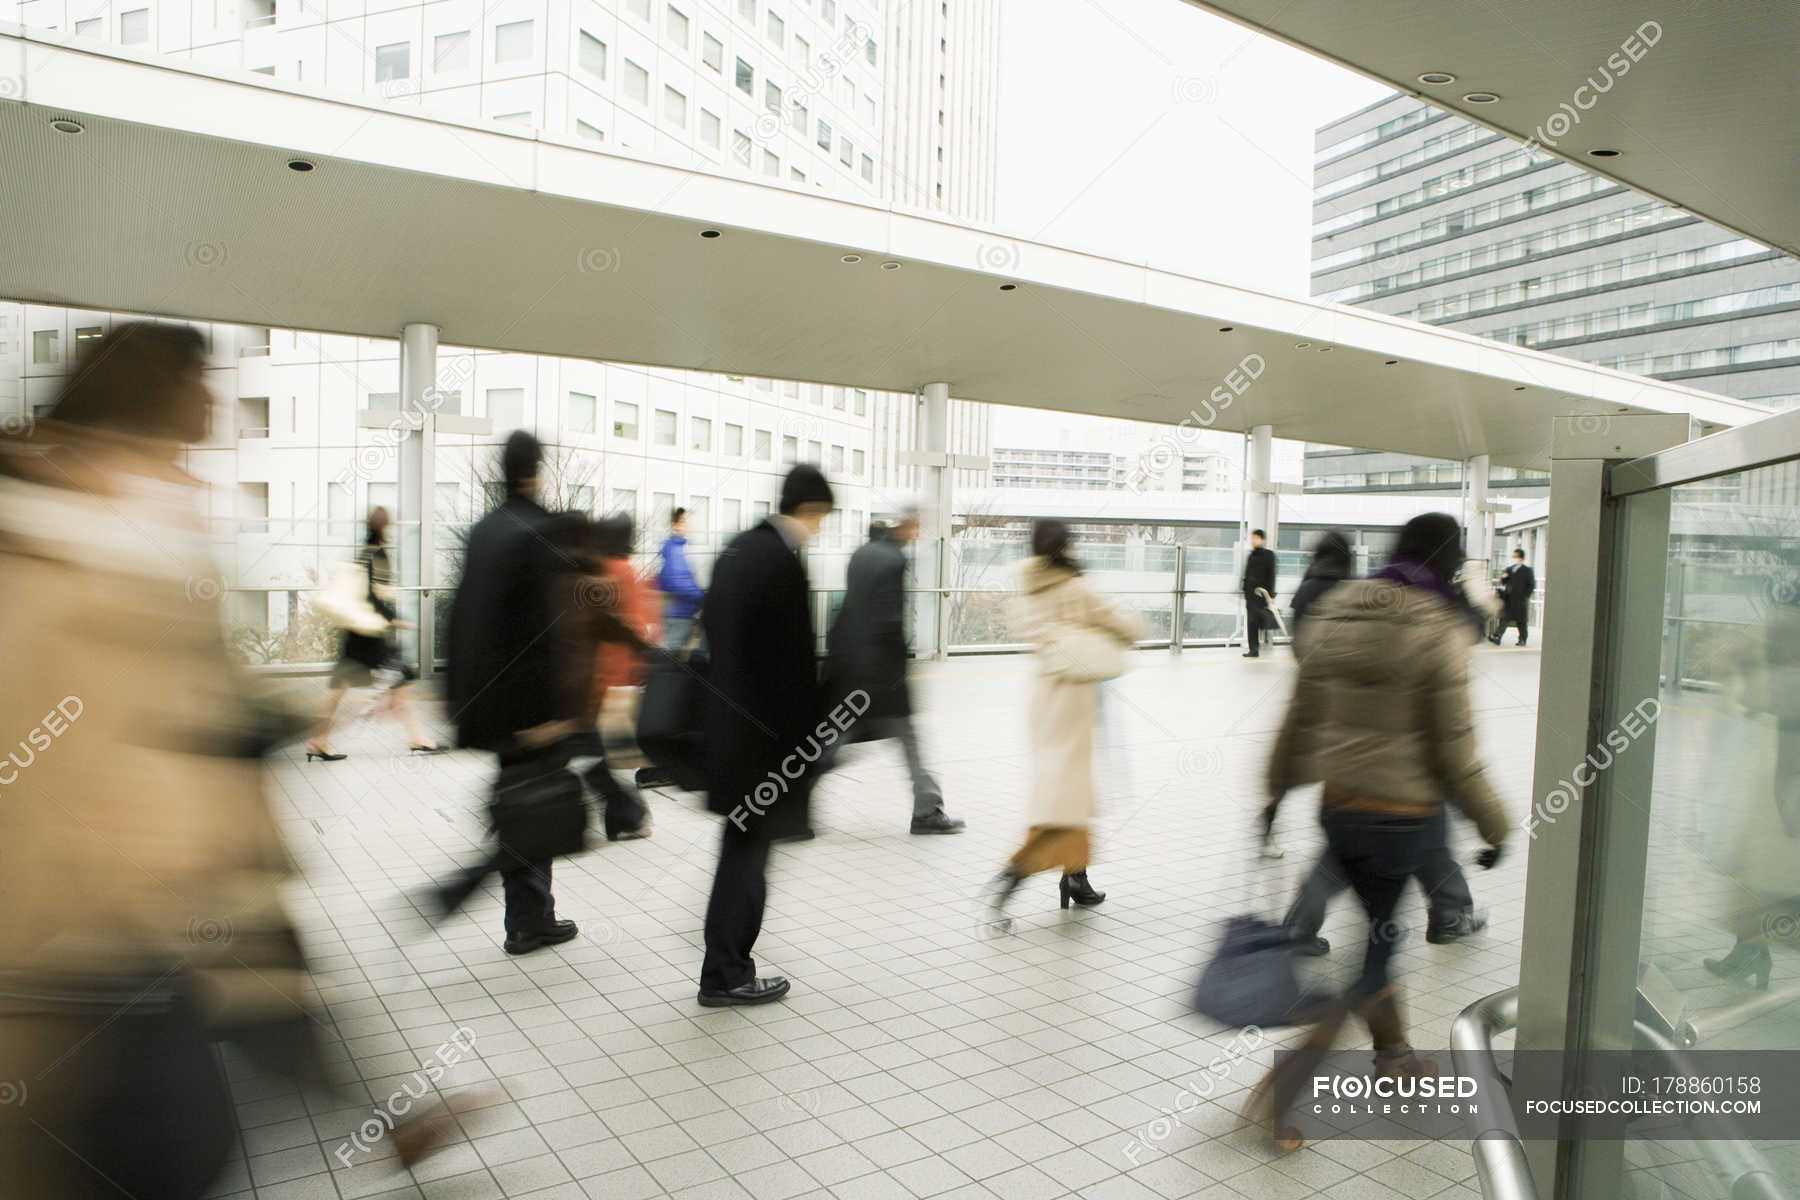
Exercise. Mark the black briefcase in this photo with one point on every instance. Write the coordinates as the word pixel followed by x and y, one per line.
pixel 670 716
pixel 538 811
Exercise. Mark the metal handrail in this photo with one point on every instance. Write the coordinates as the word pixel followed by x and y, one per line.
pixel 1500 1162
pixel 1499 1155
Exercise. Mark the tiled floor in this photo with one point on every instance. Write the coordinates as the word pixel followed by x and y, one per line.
pixel 918 1055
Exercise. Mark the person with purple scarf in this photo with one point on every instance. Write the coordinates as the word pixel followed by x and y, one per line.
pixel 1380 715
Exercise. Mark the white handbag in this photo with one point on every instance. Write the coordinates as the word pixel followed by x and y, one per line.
pixel 1081 654
pixel 345 600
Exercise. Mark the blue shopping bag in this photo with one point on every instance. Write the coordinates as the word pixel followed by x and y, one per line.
pixel 1251 979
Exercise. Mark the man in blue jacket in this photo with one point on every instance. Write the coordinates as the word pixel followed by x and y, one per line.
pixel 676 579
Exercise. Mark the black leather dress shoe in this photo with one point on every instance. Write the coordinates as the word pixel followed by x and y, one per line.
pixel 757 991
pixel 937 822
pixel 524 942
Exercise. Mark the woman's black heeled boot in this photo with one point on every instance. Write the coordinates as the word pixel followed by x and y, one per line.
pixel 1005 884
pixel 1075 886
pixel 1747 959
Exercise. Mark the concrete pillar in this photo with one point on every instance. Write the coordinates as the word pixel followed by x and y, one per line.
pixel 1262 504
pixel 418 478
pixel 937 481
pixel 1480 521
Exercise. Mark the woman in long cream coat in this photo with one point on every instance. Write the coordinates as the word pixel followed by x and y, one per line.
pixel 1055 598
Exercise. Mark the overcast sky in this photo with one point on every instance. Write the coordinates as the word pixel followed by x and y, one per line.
pixel 1152 131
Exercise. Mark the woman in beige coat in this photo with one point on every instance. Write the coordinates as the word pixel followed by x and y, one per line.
pixel 1054 601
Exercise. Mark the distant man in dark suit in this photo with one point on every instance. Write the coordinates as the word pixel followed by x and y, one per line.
pixel 1259 572
pixel 509 687
pixel 867 645
pixel 764 724
pixel 1517 583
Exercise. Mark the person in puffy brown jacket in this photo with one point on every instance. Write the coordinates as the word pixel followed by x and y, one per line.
pixel 1380 715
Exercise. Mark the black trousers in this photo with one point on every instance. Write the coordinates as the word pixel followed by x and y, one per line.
pixel 1447 895
pixel 1255 617
pixel 526 885
pixel 1512 615
pixel 734 912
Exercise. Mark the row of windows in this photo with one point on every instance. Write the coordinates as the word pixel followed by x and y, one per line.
pixel 1471 218
pixel 506 409
pixel 1632 316
pixel 1694 360
pixel 1381 132
pixel 1545 241
pixel 1435 188
pixel 1425 473
pixel 1437 147
pixel 1595 275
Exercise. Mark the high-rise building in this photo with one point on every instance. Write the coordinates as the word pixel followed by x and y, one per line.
pixel 1421 214
pixel 1150 469
pixel 880 101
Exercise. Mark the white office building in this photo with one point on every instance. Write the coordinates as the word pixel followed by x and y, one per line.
pixel 881 101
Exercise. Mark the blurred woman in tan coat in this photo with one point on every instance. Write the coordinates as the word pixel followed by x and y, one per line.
pixel 139 862
pixel 1079 639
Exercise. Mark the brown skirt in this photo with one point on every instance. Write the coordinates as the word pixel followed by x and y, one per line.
pixel 1048 846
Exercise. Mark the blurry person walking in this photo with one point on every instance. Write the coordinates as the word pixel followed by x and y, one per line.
pixel 682 593
pixel 519 679
pixel 761 712
pixel 618 663
pixel 143 866
pixel 867 645
pixel 1380 714
pixel 362 655
pixel 1259 593
pixel 1517 583
pixel 1331 564
pixel 1079 639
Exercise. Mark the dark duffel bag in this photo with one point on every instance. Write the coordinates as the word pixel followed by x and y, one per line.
pixel 1251 979
pixel 538 810
pixel 670 716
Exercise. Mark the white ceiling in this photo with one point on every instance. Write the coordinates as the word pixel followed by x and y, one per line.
pixel 176 199
pixel 1703 118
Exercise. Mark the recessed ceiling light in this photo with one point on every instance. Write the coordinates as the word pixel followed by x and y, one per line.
pixel 852 258
pixel 1226 328
pixel 1302 345
pixel 709 233
pixel 1007 287
pixel 64 125
pixel 1390 362
pixel 1520 388
pixel 1604 153
pixel 890 266
pixel 1437 78
pixel 1481 98
pixel 1324 349
pixel 300 165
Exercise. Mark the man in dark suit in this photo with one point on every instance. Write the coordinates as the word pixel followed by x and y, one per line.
pixel 764 729
pixel 1516 585
pixel 867 645
pixel 508 688
pixel 1259 572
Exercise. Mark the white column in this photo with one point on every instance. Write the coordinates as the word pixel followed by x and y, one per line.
pixel 418 476
pixel 937 481
pixel 1480 521
pixel 1262 503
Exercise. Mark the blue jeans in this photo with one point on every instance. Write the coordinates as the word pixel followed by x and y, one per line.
pixel 1379 852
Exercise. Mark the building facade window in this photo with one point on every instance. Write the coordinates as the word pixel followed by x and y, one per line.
pixel 637 84
pixel 674 107
pixel 506 408
pixel 746 78
pixel 700 434
pixel 733 441
pixel 450 52
pixel 625 420
pixel 710 128
pixel 393 61
pixel 591 55
pixel 664 431
pixel 712 52
pixel 675 27
pixel 134 27
pixel 581 412
pixel 512 42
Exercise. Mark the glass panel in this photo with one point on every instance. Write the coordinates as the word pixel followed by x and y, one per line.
pixel 1721 892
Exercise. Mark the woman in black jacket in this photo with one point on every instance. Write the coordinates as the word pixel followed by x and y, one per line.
pixel 1330 566
pixel 364 654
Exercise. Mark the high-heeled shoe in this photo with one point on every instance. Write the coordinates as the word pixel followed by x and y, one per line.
pixel 313 752
pixel 1747 959
pixel 1075 886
